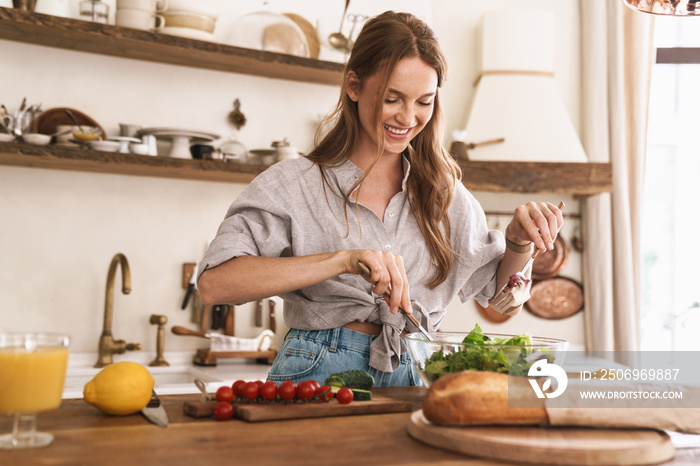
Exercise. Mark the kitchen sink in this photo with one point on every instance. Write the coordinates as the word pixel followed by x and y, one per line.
pixel 178 378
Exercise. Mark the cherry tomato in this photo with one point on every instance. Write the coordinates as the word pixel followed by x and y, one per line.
pixel 260 383
pixel 223 410
pixel 269 390
pixel 315 384
pixel 251 390
pixel 238 387
pixel 324 393
pixel 287 390
pixel 305 390
pixel 344 396
pixel 224 393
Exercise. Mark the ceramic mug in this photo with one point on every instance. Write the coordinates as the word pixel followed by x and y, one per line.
pixel 154 6
pixel 139 19
pixel 52 7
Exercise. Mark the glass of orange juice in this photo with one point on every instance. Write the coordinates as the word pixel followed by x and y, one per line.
pixel 32 374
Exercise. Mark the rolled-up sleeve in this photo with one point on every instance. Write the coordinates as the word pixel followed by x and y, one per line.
pixel 255 224
pixel 479 249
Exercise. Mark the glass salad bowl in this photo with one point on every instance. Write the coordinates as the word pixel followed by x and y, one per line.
pixel 455 352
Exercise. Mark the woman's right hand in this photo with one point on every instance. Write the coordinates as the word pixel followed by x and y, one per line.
pixel 387 274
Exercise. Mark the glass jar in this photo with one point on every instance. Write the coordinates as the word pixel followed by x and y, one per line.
pixel 95 11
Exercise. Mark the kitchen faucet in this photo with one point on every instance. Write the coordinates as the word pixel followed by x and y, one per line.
pixel 108 345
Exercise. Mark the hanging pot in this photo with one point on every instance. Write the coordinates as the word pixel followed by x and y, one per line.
pixel 550 264
pixel 555 298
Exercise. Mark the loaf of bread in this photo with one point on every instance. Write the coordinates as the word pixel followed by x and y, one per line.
pixel 479 397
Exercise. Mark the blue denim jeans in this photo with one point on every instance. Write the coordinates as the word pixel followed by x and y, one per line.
pixel 316 354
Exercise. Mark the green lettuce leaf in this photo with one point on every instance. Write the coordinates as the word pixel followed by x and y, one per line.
pixel 484 354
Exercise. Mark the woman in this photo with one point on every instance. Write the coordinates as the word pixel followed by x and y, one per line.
pixel 380 189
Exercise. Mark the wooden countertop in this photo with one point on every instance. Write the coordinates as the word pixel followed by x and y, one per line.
pixel 85 436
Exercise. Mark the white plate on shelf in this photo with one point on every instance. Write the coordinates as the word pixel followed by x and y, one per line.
pixel 181 139
pixel 124 142
pixel 189 33
pixel 169 133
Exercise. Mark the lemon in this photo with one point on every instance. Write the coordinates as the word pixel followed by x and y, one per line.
pixel 121 388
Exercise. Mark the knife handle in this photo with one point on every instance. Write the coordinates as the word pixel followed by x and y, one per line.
pixel 179 330
pixel 230 324
pixel 259 313
pixel 154 402
pixel 273 322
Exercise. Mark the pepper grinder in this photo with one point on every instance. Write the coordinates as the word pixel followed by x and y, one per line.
pixel 160 342
pixel 94 10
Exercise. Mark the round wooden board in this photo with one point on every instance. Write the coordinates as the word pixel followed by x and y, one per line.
pixel 547 445
pixel 309 32
pixel 555 298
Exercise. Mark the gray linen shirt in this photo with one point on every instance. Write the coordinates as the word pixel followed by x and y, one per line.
pixel 288 211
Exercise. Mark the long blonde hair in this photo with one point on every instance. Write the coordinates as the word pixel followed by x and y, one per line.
pixel 384 41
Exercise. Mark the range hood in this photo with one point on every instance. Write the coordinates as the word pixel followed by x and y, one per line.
pixel 515 94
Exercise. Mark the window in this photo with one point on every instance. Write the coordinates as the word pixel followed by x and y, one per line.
pixel 671 206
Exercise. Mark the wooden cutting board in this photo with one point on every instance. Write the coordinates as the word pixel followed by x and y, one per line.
pixel 547 445
pixel 279 411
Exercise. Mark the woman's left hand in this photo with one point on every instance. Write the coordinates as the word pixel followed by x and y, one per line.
pixel 537 222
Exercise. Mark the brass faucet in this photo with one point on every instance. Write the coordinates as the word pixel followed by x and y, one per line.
pixel 108 345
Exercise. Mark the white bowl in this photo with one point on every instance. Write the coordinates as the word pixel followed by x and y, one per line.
pixel 106 146
pixel 4 137
pixel 192 6
pixel 140 149
pixel 37 139
pixel 190 20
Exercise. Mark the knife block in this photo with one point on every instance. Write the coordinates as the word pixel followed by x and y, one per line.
pixel 206 357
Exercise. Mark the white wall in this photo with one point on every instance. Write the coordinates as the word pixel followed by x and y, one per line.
pixel 60 229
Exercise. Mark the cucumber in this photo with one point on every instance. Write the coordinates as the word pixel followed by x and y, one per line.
pixel 335 381
pixel 361 395
pixel 356 379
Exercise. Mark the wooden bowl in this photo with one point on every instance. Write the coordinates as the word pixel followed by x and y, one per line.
pixel 48 120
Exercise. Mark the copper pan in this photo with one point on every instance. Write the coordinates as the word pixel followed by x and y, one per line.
pixel 550 264
pixel 555 298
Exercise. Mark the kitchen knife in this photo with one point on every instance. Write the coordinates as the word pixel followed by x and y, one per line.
pixel 216 316
pixel 273 322
pixel 259 313
pixel 155 412
pixel 190 288
pixel 230 324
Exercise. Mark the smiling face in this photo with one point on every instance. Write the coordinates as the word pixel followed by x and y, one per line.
pixel 405 109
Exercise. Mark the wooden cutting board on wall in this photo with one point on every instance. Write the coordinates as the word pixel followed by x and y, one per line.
pixel 547 445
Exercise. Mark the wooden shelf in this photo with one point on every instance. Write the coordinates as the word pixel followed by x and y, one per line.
pixel 582 179
pixel 86 160
pixel 33 28
pixel 84 36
